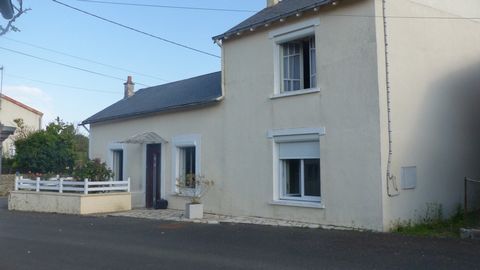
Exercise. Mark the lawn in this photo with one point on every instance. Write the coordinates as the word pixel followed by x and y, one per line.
pixel 440 227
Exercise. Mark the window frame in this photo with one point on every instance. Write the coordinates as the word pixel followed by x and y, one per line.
pixel 115 155
pixel 293 136
pixel 283 195
pixel 286 34
pixel 182 141
pixel 110 161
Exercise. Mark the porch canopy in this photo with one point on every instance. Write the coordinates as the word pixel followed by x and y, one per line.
pixel 144 138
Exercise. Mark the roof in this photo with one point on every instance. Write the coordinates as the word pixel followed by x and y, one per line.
pixel 187 93
pixel 5 132
pixel 274 13
pixel 18 103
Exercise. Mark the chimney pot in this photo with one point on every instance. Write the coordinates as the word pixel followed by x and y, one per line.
pixel 271 3
pixel 129 88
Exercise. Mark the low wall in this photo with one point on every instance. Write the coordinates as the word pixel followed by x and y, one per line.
pixel 65 203
pixel 7 184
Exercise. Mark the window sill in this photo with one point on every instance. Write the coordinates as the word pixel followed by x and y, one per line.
pixel 305 204
pixel 295 93
pixel 183 195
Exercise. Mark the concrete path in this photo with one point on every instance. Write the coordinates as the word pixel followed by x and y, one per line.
pixel 178 215
pixel 49 241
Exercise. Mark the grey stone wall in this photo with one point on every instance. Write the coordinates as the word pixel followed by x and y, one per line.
pixel 7 183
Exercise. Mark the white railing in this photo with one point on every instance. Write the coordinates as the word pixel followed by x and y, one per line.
pixel 68 185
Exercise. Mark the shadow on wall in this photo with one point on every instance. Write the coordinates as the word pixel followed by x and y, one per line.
pixel 446 139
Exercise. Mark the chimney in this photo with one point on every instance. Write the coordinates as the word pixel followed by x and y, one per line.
pixel 271 3
pixel 129 88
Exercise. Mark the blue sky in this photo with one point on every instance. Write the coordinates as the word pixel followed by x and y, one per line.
pixel 55 27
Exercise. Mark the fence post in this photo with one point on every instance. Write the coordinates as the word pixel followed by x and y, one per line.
pixel 128 184
pixel 16 183
pixel 60 188
pixel 38 184
pixel 465 208
pixel 85 186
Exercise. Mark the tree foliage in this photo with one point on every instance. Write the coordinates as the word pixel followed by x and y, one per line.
pixel 47 151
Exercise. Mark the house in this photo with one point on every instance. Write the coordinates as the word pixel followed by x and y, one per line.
pixel 353 113
pixel 11 109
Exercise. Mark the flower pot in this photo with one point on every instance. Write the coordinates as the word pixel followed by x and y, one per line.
pixel 194 211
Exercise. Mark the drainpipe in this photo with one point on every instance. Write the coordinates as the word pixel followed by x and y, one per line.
pixel 390 178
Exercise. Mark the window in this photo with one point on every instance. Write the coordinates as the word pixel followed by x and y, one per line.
pixel 186 160
pixel 187 165
pixel 295 59
pixel 117 165
pixel 299 164
pixel 298 64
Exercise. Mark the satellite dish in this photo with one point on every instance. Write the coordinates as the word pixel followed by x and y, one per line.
pixel 6 8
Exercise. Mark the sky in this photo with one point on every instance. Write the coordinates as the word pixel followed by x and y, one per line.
pixel 74 48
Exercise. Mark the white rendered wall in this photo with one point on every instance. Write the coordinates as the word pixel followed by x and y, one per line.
pixel 10 111
pixel 435 79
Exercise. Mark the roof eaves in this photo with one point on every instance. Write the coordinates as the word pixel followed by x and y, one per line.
pixel 234 31
pixel 150 112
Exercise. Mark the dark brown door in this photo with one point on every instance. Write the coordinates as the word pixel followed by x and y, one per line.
pixel 152 192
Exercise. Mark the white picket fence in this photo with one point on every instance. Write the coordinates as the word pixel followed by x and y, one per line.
pixel 68 185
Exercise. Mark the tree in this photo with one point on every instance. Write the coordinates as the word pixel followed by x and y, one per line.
pixel 47 151
pixel 22 131
pixel 81 149
pixel 11 12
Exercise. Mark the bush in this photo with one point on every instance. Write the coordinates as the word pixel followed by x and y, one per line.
pixel 94 170
pixel 47 151
pixel 8 165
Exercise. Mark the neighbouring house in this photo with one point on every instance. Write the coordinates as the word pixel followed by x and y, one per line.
pixel 11 109
pixel 354 113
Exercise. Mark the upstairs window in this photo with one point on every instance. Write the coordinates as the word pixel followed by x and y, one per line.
pixel 298 64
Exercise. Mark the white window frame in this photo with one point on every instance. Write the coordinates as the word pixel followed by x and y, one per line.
pixel 177 143
pixel 291 136
pixel 281 176
pixel 116 147
pixel 286 34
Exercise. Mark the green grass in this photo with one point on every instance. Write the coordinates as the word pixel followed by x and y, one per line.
pixel 439 227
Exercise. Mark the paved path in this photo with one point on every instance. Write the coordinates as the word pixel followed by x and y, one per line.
pixel 48 241
pixel 178 215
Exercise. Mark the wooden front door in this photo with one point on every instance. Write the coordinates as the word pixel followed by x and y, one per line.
pixel 152 192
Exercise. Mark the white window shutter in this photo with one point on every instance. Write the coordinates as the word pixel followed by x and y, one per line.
pixel 299 150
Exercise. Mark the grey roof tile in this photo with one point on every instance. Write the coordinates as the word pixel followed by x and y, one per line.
pixel 283 9
pixel 191 92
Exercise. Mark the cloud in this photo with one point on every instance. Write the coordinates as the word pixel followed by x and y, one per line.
pixel 33 97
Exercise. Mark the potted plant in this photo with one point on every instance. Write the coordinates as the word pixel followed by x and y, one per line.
pixel 193 187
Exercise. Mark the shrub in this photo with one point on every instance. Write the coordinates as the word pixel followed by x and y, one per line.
pixel 193 186
pixel 94 170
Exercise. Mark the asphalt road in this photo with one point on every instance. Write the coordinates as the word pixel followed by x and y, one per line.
pixel 48 241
